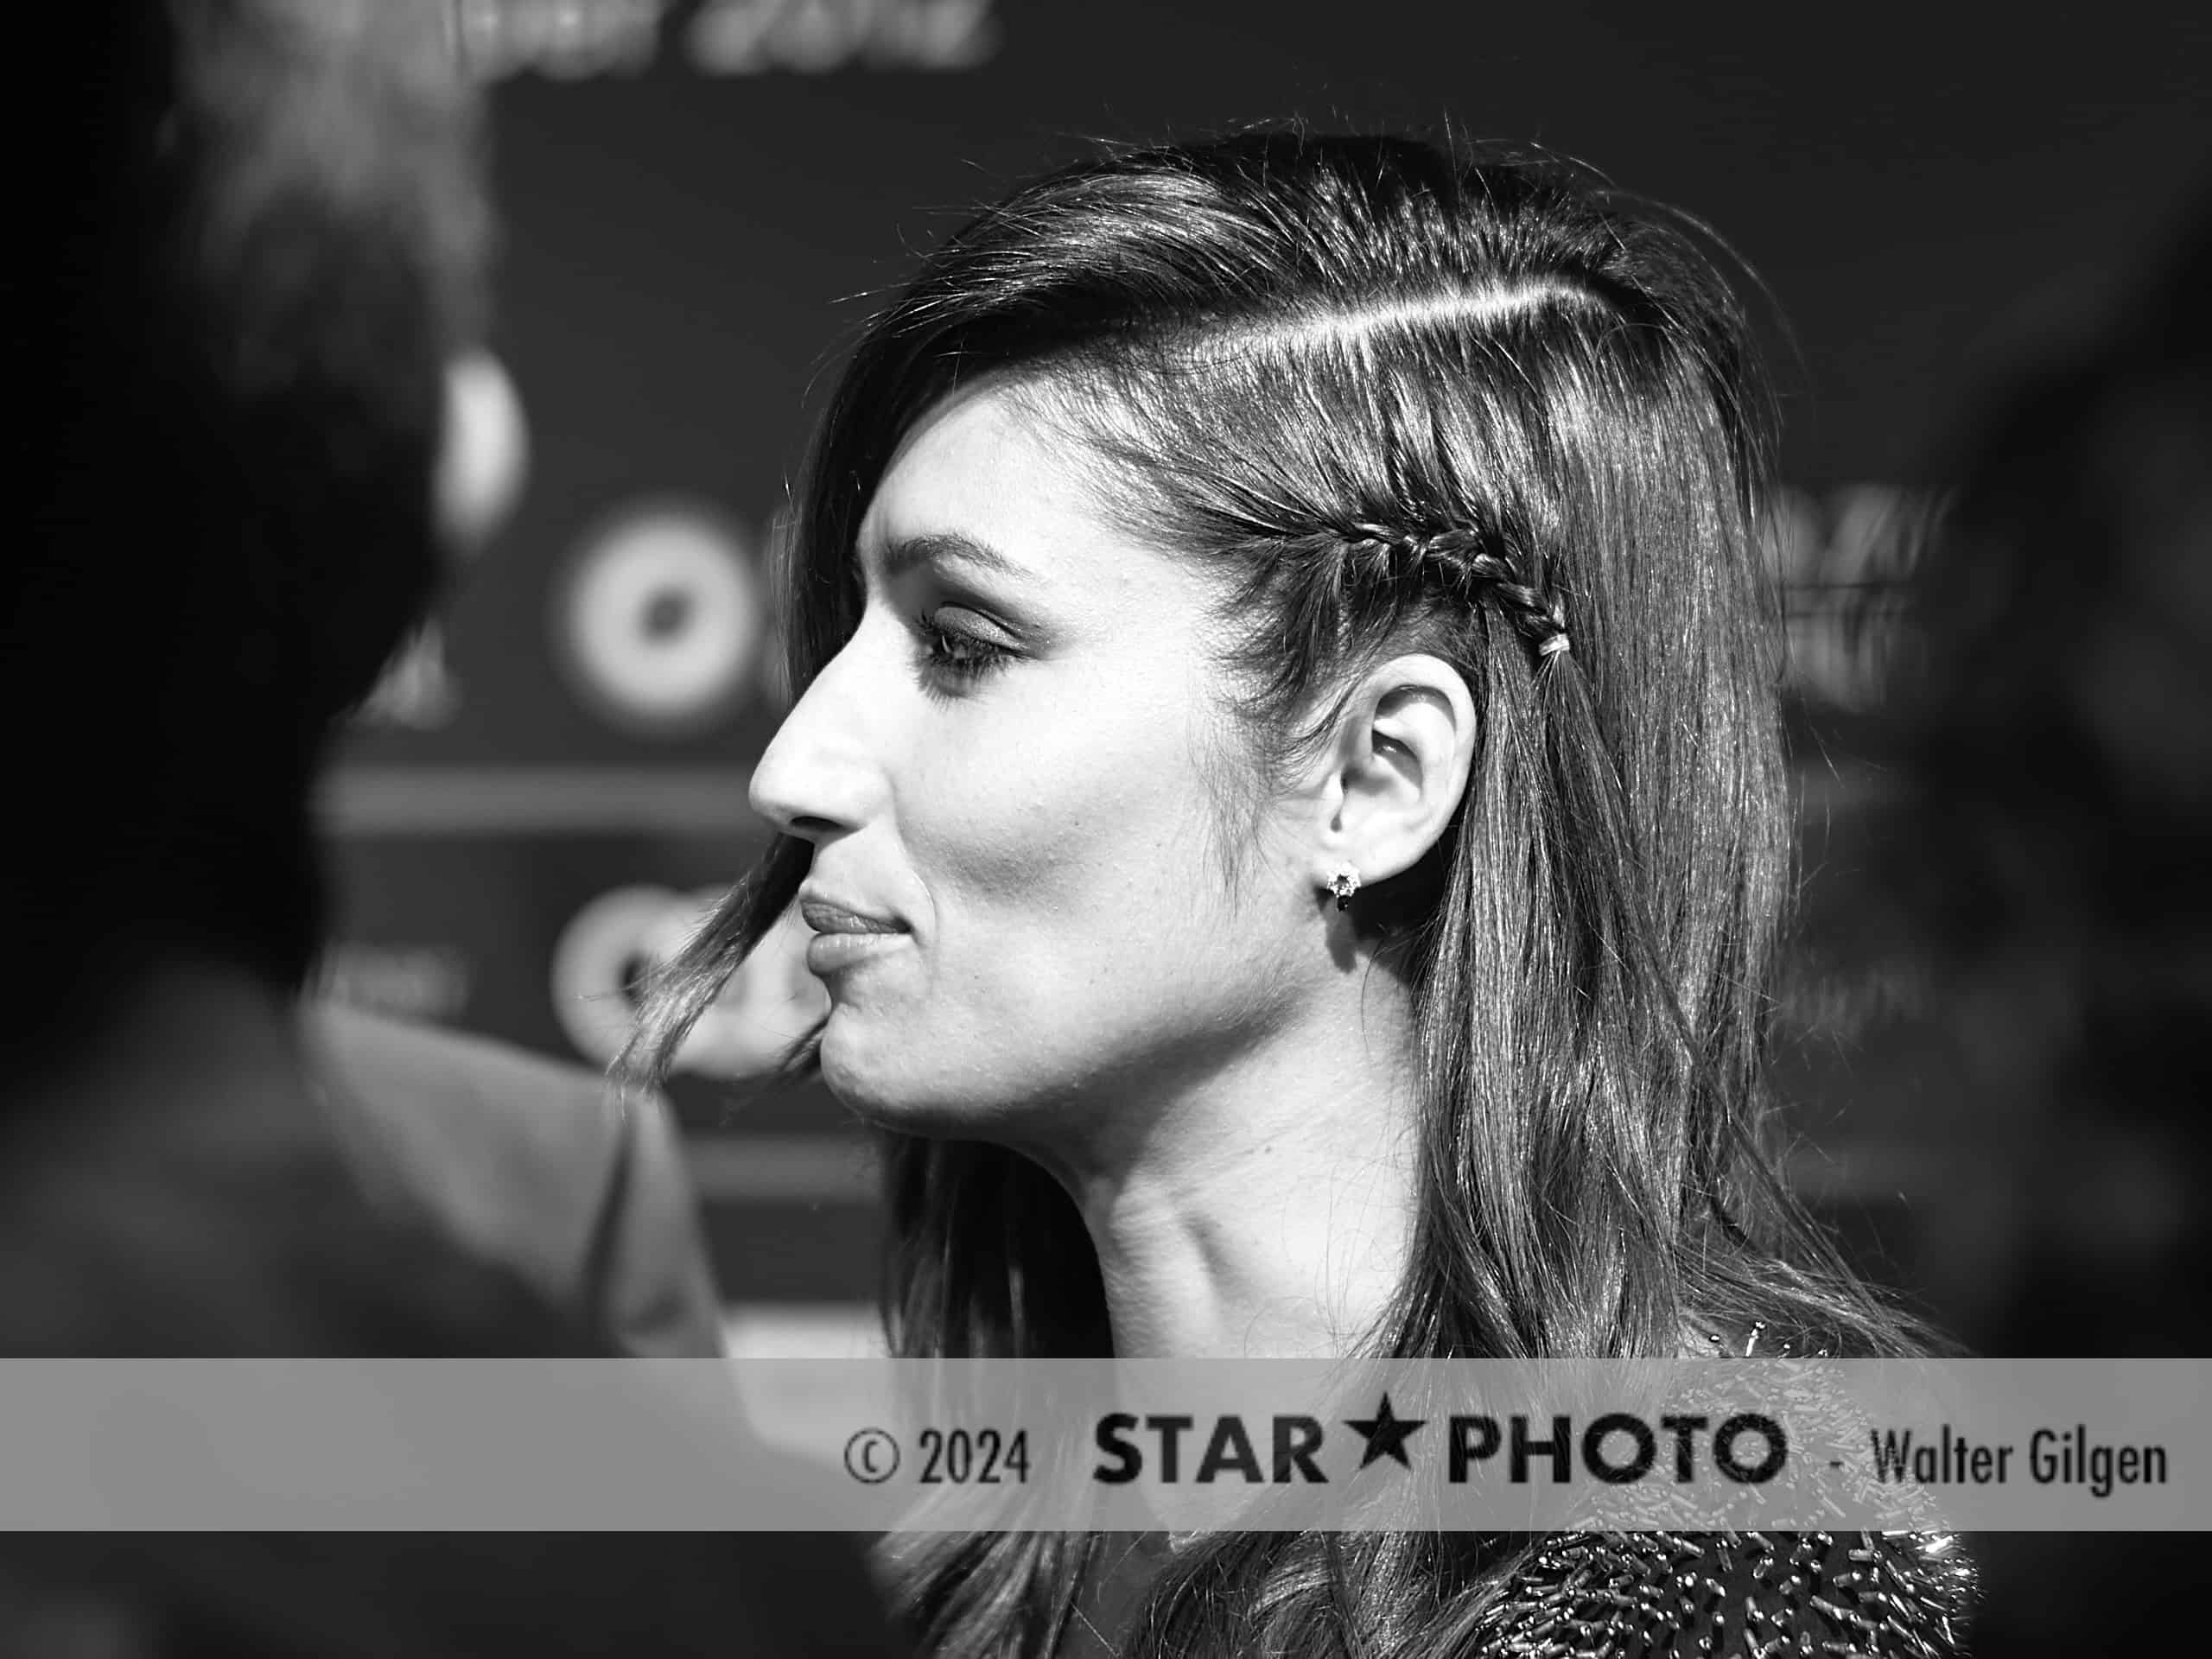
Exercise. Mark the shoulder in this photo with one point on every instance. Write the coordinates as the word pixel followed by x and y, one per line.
pixel 512 1152
pixel 1907 1595
pixel 391 1070
pixel 200 1234
pixel 541 1164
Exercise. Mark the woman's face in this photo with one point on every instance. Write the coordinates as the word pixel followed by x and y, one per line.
pixel 1001 775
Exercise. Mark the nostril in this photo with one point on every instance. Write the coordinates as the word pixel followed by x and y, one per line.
pixel 805 826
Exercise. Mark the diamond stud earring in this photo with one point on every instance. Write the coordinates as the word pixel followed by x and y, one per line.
pixel 1343 884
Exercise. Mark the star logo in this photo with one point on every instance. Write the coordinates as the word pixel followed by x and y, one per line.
pixel 1385 1435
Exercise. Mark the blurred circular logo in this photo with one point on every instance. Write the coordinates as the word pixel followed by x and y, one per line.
pixel 601 962
pixel 658 620
pixel 613 945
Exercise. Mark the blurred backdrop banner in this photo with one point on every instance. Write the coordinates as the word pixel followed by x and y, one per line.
pixel 702 196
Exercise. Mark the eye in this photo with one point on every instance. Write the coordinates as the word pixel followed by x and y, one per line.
pixel 957 653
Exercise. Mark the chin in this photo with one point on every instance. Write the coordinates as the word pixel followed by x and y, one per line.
pixel 897 1085
pixel 875 1080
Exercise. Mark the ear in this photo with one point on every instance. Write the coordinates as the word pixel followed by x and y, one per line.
pixel 483 452
pixel 1396 770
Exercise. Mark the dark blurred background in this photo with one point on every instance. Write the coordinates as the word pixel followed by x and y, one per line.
pixel 700 197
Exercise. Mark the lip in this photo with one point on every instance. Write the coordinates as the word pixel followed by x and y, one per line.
pixel 828 953
pixel 828 915
pixel 845 936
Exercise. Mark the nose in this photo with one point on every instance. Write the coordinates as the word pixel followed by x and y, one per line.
pixel 818 779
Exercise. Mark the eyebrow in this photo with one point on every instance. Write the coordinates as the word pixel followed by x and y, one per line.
pixel 948 547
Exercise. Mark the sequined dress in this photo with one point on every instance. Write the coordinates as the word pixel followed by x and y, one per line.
pixel 1659 1595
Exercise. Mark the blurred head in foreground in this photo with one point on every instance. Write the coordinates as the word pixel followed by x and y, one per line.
pixel 259 274
pixel 265 421
pixel 266 426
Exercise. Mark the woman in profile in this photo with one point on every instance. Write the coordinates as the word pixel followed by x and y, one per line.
pixel 1288 792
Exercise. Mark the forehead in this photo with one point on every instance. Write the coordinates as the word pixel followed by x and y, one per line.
pixel 985 464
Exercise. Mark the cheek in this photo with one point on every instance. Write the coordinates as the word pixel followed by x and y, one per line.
pixel 1057 840
pixel 1078 825
pixel 1064 812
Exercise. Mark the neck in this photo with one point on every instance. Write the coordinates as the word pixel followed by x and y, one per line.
pixel 1266 1209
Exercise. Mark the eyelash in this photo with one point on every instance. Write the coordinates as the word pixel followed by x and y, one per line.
pixel 964 657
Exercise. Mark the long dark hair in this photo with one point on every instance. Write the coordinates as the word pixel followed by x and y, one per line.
pixel 1393 400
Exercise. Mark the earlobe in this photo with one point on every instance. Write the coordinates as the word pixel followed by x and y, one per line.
pixel 483 452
